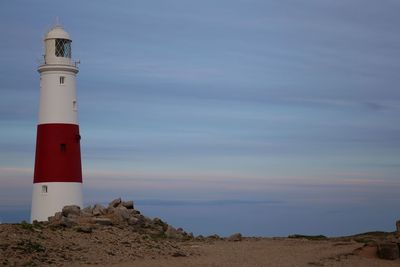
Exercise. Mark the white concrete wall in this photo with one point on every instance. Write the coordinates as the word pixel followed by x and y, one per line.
pixel 57 100
pixel 58 195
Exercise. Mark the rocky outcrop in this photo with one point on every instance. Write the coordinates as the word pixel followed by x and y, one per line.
pixel 119 214
pixel 388 250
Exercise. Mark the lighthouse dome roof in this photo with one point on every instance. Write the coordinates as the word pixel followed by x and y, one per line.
pixel 57 32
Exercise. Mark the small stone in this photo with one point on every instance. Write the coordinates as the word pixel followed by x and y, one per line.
pixel 160 223
pixel 102 221
pixel 173 233
pixel 235 237
pixel 68 222
pixel 388 251
pixel 200 237
pixel 84 229
pixel 88 209
pixel 115 203
pixel 86 214
pixel 178 254
pixel 133 221
pixel 214 236
pixel 110 210
pixel 128 204
pixel 71 210
pixel 98 209
pixel 56 218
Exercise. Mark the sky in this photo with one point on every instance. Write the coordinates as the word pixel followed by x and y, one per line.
pixel 260 116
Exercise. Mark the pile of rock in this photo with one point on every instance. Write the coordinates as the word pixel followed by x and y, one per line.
pixel 118 214
pixel 390 249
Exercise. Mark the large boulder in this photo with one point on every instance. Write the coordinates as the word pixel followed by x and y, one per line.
pixel 122 213
pixel 127 204
pixel 235 237
pixel 115 203
pixel 71 211
pixel 398 228
pixel 388 250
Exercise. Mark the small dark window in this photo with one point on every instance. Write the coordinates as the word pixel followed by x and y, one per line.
pixel 63 48
pixel 63 147
pixel 62 79
pixel 44 188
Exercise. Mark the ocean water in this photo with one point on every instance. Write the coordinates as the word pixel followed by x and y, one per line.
pixel 14 215
pixel 270 219
pixel 254 218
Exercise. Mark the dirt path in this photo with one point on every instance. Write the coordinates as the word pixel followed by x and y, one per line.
pixel 269 252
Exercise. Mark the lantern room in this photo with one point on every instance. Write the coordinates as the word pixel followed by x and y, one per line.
pixel 57 44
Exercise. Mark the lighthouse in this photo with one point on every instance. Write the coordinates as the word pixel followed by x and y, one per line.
pixel 57 177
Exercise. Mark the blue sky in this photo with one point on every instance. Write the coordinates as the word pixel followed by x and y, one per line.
pixel 280 106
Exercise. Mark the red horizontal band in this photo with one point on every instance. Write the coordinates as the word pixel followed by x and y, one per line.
pixel 58 154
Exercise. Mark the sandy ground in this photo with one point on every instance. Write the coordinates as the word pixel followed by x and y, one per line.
pixel 23 245
pixel 274 253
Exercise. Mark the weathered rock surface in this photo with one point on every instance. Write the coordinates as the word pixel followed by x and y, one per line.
pixel 115 203
pixel 119 214
pixel 102 221
pixel 67 221
pixel 71 211
pixel 388 250
pixel 127 204
pixel 98 210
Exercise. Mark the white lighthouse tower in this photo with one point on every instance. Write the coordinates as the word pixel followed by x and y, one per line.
pixel 58 173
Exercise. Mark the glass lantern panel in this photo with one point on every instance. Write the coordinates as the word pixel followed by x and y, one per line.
pixel 63 48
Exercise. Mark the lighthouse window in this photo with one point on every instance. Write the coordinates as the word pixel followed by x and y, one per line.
pixel 63 48
pixel 44 188
pixel 62 79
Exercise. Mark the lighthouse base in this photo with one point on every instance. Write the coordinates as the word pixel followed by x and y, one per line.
pixel 49 198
